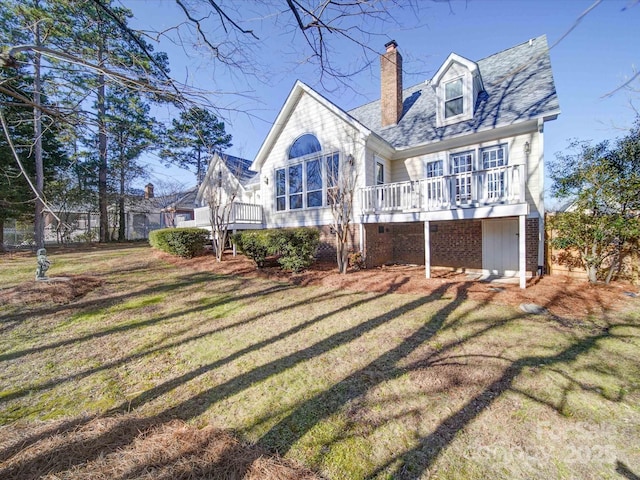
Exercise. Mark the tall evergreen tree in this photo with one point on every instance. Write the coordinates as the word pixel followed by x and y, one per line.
pixel 192 140
pixel 131 131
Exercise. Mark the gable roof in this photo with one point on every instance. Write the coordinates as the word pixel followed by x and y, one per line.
pixel 239 167
pixel 518 86
pixel 290 103
pixel 453 58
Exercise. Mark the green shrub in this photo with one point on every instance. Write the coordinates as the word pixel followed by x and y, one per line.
pixel 255 244
pixel 184 242
pixel 296 247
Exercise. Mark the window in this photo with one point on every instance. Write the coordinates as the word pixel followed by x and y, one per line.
pixel 434 169
pixel 314 183
pixel 281 190
pixel 453 104
pixel 333 172
pixel 492 158
pixel 304 145
pixel 379 173
pixel 461 167
pixel 435 185
pixel 303 183
pixel 295 186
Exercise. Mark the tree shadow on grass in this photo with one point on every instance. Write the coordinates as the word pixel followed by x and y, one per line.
pixel 414 462
pixel 55 382
pixel 89 449
pixel 289 430
pixel 118 300
pixel 623 470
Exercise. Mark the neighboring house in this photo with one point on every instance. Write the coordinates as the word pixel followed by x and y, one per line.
pixel 174 207
pixel 229 179
pixel 144 212
pixel 449 172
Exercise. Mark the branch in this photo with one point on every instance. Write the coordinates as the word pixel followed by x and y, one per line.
pixel 224 16
pixel 22 169
pixel 624 85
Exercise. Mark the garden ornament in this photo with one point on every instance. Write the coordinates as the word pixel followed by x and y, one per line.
pixel 43 265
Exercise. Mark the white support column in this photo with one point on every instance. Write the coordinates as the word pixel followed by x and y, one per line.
pixel 361 239
pixel 427 251
pixel 522 250
pixel 234 243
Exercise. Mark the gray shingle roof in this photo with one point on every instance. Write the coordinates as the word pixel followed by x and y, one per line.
pixel 240 168
pixel 518 85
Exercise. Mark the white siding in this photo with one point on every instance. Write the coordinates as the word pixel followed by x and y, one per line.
pixel 333 133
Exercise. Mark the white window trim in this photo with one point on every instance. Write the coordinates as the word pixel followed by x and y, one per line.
pixel 461 96
pixel 467 100
pixel 322 156
pixel 502 146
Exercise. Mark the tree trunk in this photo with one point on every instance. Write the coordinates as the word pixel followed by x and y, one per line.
pixel 1 234
pixel 121 209
pixel 199 170
pixel 102 154
pixel 37 129
pixel 342 250
pixel 592 273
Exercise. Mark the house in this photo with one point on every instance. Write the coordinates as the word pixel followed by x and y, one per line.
pixel 449 172
pixel 229 180
pixel 144 212
pixel 446 173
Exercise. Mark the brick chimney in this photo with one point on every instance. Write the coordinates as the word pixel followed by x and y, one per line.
pixel 148 190
pixel 391 84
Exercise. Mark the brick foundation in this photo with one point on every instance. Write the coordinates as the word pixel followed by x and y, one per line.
pixel 327 247
pixel 454 244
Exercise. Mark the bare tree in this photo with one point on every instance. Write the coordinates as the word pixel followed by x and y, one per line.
pixel 221 195
pixel 164 195
pixel 342 181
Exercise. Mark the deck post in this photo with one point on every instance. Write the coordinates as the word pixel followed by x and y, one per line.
pixel 234 243
pixel 427 251
pixel 522 250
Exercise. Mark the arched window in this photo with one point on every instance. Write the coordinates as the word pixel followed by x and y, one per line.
pixel 304 145
pixel 304 183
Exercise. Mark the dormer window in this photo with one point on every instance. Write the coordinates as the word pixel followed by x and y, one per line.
pixel 456 85
pixel 453 101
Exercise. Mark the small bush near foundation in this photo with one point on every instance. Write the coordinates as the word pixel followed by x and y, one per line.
pixel 356 261
pixel 255 244
pixel 296 247
pixel 183 242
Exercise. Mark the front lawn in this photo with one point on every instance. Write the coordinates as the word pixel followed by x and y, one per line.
pixel 349 384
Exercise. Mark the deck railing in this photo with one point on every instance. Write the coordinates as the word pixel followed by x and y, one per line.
pixel 240 213
pixel 500 185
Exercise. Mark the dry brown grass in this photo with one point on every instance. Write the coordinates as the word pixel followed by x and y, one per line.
pixel 139 449
pixel 59 290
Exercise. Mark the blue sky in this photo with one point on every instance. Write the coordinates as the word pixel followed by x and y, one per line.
pixel 597 56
